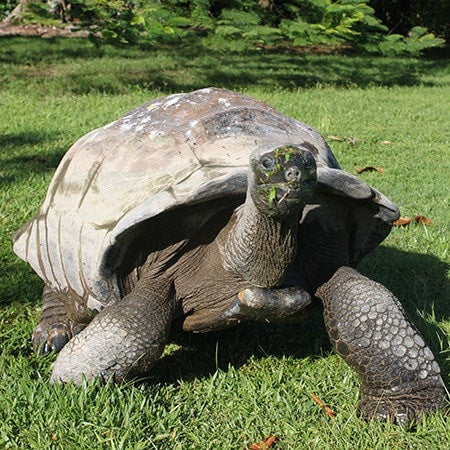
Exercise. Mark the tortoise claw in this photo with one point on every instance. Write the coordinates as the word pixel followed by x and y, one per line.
pixel 406 410
pixel 58 337
pixel 385 411
pixel 52 339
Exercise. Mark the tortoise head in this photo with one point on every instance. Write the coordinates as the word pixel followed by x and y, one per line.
pixel 281 179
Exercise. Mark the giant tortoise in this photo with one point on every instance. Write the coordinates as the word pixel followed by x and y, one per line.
pixel 212 208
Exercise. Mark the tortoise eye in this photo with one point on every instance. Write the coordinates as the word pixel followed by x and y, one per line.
pixel 267 163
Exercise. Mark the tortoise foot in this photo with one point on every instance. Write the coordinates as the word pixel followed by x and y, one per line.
pixel 50 339
pixel 403 410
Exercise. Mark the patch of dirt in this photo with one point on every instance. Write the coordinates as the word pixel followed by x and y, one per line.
pixel 40 31
pixel 338 49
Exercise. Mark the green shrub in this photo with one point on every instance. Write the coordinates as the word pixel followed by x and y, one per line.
pixel 39 13
pixel 239 25
pixel 6 6
pixel 418 39
pixel 241 30
pixel 131 22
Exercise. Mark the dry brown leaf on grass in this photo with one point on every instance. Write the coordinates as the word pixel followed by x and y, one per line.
pixel 402 221
pixel 263 445
pixel 385 142
pixel 354 141
pixel 423 220
pixel 350 140
pixel 331 137
pixel 369 169
pixel 326 409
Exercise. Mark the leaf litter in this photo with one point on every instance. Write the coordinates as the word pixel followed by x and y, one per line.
pixel 369 169
pixel 403 221
pixel 266 443
pixel 326 409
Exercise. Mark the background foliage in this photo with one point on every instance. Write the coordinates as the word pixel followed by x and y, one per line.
pixel 389 28
pixel 6 6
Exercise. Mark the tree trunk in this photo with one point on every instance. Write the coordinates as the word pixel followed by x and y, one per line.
pixel 16 14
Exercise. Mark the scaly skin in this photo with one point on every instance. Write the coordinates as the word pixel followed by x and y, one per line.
pixel 263 241
pixel 400 379
pixel 123 340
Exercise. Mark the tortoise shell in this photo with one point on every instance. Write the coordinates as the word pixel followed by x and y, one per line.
pixel 179 150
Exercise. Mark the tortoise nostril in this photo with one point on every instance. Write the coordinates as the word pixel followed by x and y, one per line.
pixel 293 174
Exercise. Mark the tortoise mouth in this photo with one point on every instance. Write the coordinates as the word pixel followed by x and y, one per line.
pixel 289 195
pixel 276 194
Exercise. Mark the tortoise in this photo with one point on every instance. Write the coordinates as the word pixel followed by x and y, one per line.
pixel 212 208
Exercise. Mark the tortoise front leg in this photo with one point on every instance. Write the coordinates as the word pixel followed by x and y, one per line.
pixel 124 339
pixel 271 305
pixel 400 379
pixel 254 303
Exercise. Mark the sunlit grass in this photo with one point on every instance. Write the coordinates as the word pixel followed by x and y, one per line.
pixel 228 389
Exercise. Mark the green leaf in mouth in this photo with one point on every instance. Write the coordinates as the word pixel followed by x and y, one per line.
pixel 272 194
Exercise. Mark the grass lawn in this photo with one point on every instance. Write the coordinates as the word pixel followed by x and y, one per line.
pixel 228 389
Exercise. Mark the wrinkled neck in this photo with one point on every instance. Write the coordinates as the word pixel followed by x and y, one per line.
pixel 260 247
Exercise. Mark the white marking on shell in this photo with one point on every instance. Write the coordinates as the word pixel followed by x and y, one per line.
pixel 145 119
pixel 126 126
pixel 153 106
pixel 156 133
pixel 224 101
pixel 172 101
pixel 193 123
pixel 205 90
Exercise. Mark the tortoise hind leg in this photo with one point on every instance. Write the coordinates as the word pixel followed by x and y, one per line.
pixel 124 339
pixel 55 329
pixel 400 379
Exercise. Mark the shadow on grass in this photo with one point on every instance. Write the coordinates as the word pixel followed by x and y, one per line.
pixel 419 281
pixel 262 70
pixel 25 138
pixel 20 168
pixel 188 67
pixel 23 287
pixel 33 50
